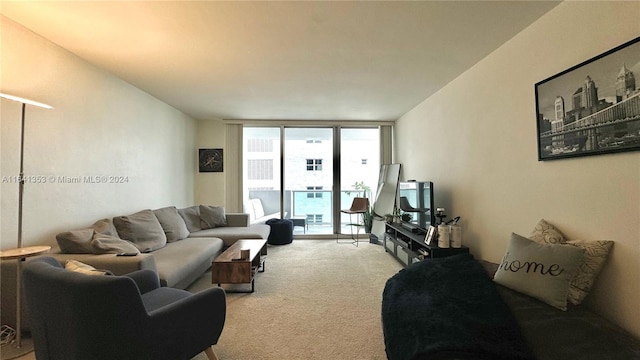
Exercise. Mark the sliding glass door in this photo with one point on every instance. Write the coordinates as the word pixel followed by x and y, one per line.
pixel 293 172
pixel 261 173
pixel 308 177
pixel 360 166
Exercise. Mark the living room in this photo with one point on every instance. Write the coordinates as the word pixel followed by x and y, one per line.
pixel 475 138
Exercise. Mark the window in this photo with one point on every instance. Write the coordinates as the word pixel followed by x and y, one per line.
pixel 300 177
pixel 314 192
pixel 314 218
pixel 314 164
pixel 260 145
pixel 260 169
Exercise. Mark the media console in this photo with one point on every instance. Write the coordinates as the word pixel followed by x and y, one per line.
pixel 409 247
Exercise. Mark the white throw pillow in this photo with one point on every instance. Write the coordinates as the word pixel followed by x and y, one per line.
pixel 77 266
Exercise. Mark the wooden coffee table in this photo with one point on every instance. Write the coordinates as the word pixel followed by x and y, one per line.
pixel 227 268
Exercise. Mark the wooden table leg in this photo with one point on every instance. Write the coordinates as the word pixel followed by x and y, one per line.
pixel 210 354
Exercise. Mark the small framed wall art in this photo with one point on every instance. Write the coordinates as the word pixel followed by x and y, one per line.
pixel 210 160
pixel 431 235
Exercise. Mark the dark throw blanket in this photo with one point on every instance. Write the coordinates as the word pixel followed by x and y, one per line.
pixel 448 308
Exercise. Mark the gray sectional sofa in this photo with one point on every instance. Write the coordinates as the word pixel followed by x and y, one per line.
pixel 178 244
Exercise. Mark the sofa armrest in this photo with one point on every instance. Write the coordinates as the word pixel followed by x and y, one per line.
pixel 202 313
pixel 118 265
pixel 146 280
pixel 237 219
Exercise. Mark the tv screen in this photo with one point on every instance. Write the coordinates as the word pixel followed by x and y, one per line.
pixel 416 199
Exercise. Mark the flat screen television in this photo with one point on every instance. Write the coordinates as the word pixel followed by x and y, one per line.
pixel 416 199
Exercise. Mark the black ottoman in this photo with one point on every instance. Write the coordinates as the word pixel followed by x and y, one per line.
pixel 281 231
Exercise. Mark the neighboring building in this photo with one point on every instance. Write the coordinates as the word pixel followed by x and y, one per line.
pixel 558 123
pixel 625 84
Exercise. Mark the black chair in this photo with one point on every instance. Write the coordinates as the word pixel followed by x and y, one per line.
pixel 78 316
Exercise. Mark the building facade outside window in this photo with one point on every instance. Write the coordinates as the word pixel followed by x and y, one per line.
pixel 314 164
pixel 314 192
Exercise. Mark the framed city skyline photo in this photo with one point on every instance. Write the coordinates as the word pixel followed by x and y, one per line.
pixel 210 160
pixel 592 108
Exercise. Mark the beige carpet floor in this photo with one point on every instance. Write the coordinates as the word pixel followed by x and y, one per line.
pixel 316 300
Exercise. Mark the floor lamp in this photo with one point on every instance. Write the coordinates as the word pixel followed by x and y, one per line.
pixel 21 253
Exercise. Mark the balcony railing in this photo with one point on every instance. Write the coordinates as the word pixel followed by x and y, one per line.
pixel 314 206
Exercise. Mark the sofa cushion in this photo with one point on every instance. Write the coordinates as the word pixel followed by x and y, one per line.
pixel 543 271
pixel 180 260
pixel 105 226
pixel 172 223
pixel 119 265
pixel 230 234
pixel 191 217
pixel 75 241
pixel 143 229
pixel 107 244
pixel 212 216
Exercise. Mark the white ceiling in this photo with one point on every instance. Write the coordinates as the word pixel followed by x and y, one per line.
pixel 305 60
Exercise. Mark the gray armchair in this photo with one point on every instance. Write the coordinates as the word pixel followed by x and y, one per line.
pixel 78 316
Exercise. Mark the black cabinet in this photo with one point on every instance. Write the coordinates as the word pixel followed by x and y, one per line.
pixel 408 247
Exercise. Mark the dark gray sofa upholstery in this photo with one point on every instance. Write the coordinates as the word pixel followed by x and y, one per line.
pixel 450 309
pixel 578 333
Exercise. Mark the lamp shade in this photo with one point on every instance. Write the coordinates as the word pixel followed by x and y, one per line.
pixel 25 101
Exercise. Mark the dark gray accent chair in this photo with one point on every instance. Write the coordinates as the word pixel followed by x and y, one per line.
pixel 79 316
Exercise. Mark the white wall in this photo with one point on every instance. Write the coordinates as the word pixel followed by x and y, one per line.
pixel 476 139
pixel 210 187
pixel 100 126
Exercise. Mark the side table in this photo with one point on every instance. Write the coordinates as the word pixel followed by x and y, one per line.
pixel 21 254
pixel 300 221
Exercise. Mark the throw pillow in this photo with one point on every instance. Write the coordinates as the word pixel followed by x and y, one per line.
pixel 75 241
pixel 143 229
pixel 191 217
pixel 105 226
pixel 595 255
pixel 172 223
pixel 212 216
pixel 77 266
pixel 107 244
pixel 545 233
pixel 543 271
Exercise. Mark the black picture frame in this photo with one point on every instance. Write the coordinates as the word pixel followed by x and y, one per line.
pixel 592 108
pixel 430 236
pixel 210 160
